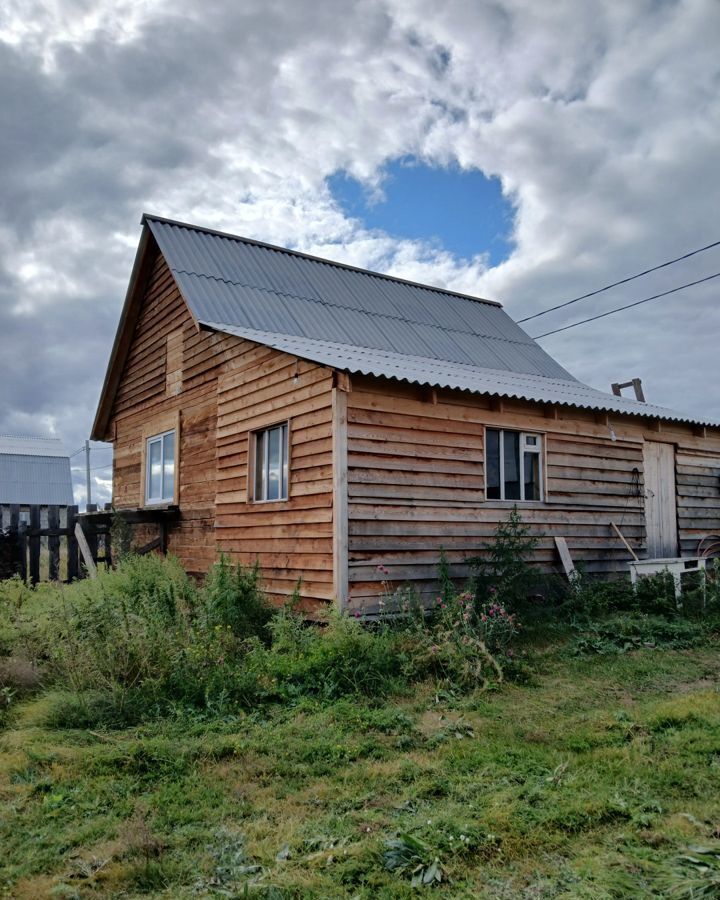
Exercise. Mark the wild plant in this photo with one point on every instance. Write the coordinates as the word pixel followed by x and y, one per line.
pixel 506 567
pixel 232 597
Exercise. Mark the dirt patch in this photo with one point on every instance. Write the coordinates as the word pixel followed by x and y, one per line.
pixel 700 684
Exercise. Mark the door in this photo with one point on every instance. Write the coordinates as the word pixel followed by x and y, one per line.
pixel 660 502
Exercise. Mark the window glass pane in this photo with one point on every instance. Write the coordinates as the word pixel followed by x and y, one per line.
pixel 285 462
pixel 532 476
pixel 511 450
pixel 259 465
pixel 155 469
pixel 492 455
pixel 274 465
pixel 168 476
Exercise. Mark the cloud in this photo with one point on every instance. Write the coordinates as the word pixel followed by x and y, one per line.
pixel 601 120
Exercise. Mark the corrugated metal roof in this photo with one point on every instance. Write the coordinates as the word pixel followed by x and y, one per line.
pixel 251 285
pixel 441 374
pixel 31 445
pixel 30 479
pixel 360 321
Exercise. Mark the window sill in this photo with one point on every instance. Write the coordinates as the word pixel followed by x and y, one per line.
pixel 521 504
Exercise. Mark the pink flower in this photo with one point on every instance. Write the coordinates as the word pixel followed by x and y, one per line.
pixel 434 648
pixel 357 614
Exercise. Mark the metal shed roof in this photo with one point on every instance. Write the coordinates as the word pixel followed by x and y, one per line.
pixel 365 322
pixel 31 445
pixel 34 470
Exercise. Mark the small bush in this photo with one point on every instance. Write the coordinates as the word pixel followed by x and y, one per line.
pixel 232 598
pixel 506 572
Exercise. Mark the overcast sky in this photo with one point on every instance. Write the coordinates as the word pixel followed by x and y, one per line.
pixel 596 125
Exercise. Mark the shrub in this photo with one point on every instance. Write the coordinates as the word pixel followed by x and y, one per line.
pixel 232 598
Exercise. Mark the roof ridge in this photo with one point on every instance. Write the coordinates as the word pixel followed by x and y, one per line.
pixel 29 437
pixel 318 259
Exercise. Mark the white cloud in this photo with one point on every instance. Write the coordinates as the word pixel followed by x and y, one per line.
pixel 601 120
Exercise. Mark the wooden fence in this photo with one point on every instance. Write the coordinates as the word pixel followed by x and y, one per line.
pixel 51 543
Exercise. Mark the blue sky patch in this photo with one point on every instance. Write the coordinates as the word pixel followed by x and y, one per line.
pixel 464 212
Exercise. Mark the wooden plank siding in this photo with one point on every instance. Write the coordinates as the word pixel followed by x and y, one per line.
pixel 416 483
pixel 293 538
pixel 221 387
pixel 697 475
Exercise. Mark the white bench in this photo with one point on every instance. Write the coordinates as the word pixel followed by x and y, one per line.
pixel 677 566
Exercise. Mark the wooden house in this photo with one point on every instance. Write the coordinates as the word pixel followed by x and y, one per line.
pixel 329 421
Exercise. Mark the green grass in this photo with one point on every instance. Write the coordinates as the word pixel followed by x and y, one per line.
pixel 590 781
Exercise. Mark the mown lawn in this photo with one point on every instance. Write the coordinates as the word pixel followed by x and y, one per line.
pixel 590 781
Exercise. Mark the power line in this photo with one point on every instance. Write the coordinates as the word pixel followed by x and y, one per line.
pixel 628 306
pixel 92 449
pixel 607 287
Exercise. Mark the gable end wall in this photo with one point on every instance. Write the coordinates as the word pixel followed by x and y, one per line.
pixel 219 387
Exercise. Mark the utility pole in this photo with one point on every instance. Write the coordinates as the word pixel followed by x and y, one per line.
pixel 88 499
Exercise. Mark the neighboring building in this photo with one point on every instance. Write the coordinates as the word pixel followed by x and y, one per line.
pixel 328 420
pixel 34 471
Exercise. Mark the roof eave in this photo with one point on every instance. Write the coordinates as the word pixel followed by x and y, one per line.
pixel 653 413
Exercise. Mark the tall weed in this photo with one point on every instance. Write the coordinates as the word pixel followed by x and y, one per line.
pixel 232 598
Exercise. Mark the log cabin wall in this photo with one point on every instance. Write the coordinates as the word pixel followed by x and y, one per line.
pixel 175 373
pixel 416 483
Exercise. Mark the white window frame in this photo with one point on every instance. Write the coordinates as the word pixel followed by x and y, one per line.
pixel 284 464
pixel 153 439
pixel 525 447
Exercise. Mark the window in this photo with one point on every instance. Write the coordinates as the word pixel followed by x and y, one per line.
pixel 512 465
pixel 160 468
pixel 270 475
